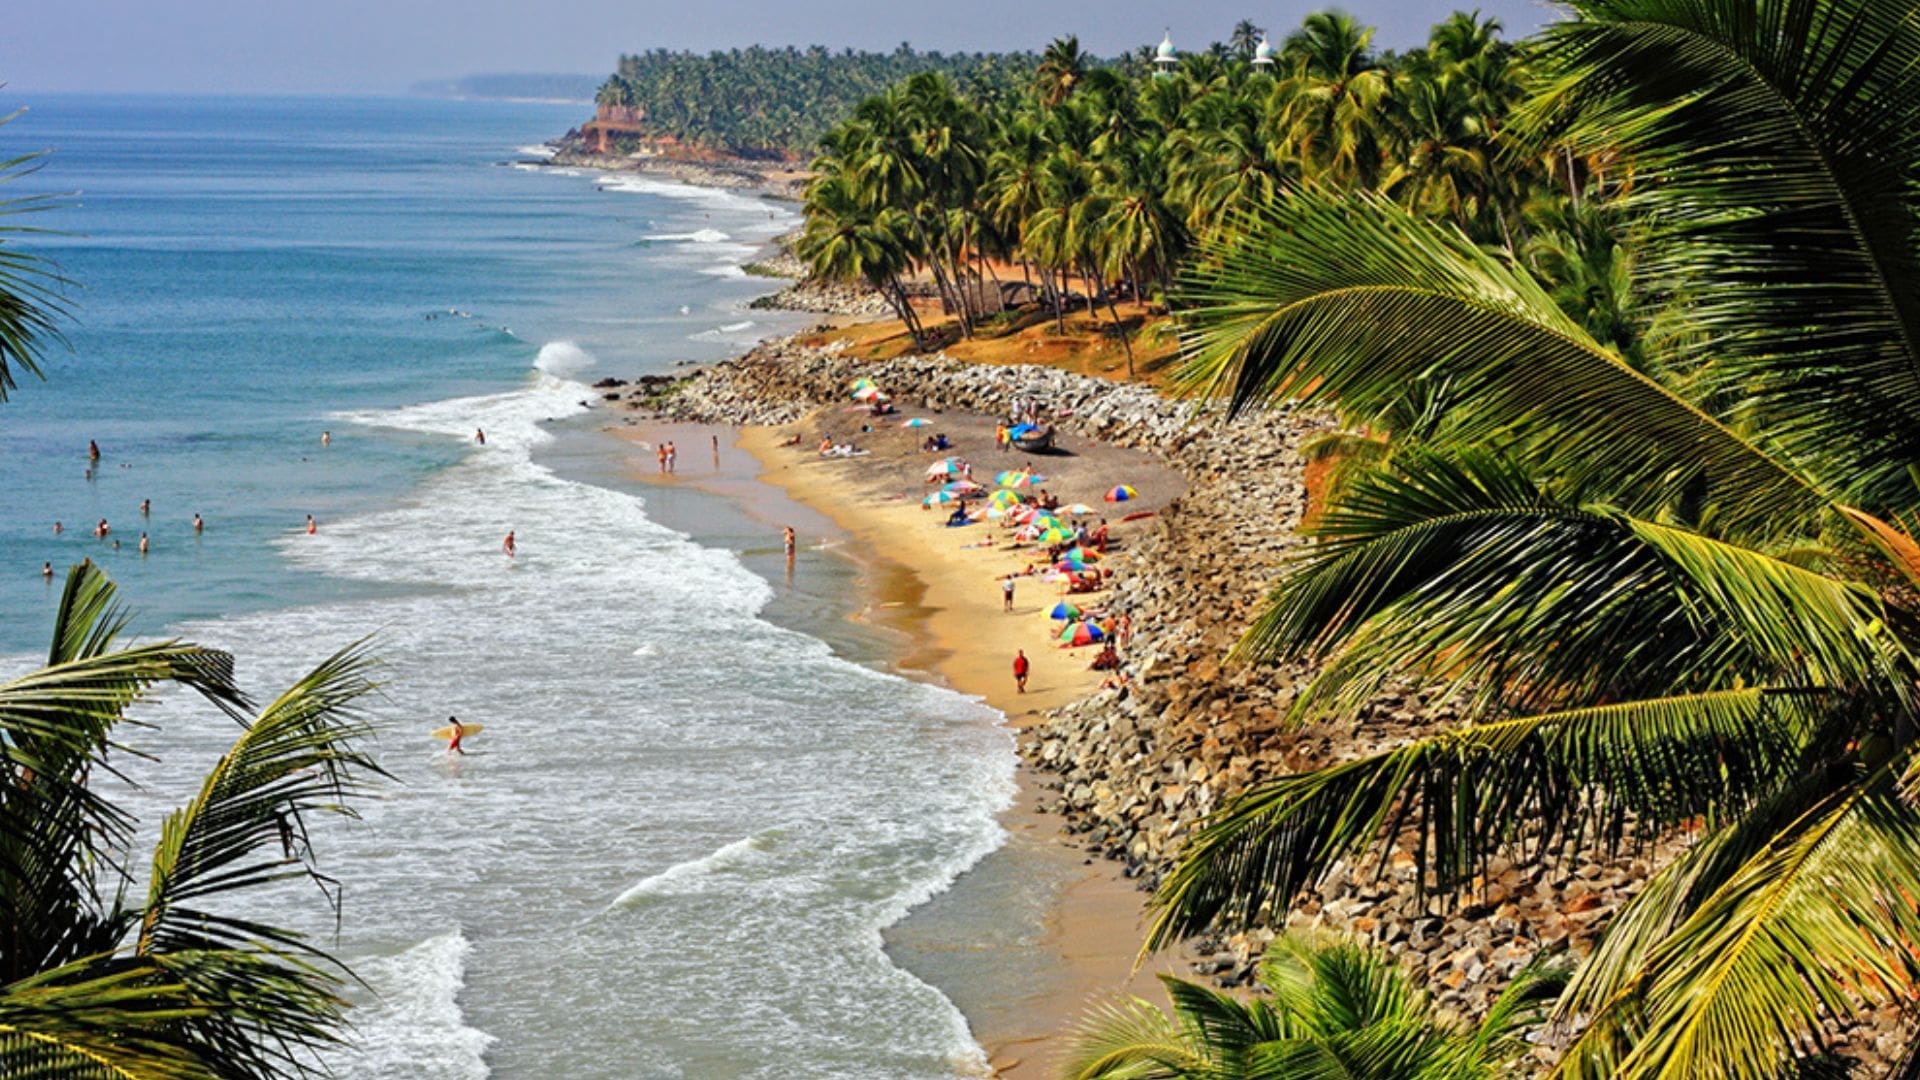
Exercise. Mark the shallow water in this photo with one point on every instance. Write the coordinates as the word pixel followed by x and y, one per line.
pixel 675 846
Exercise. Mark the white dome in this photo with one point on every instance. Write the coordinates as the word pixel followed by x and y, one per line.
pixel 1264 51
pixel 1165 51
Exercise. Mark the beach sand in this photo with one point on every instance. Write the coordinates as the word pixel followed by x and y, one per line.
pixel 943 599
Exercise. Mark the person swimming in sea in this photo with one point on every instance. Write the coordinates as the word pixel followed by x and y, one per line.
pixel 480 436
pixel 198 525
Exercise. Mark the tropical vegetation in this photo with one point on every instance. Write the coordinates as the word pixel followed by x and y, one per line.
pixel 1643 511
pixel 1333 1008
pixel 1101 179
pixel 777 102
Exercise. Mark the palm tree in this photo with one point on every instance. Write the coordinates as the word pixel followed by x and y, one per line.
pixel 1336 1009
pixel 1657 602
pixel 847 241
pixel 94 983
pixel 1246 37
pixel 29 306
pixel 1062 66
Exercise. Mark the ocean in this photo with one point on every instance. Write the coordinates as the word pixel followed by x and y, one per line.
pixel 676 846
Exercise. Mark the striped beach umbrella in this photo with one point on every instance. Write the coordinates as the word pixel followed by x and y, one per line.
pixel 938 497
pixel 1122 494
pixel 1077 634
pixel 1056 534
pixel 859 384
pixel 964 487
pixel 1015 478
pixel 1006 498
pixel 1078 508
pixel 916 422
pixel 952 466
pixel 1063 611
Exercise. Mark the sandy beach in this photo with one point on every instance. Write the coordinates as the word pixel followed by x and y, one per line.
pixel 941 594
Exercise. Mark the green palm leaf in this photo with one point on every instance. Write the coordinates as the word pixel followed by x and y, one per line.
pixel 1357 299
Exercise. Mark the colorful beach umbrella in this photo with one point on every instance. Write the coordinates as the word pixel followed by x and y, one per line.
pixel 1082 555
pixel 938 497
pixel 1064 610
pixel 1014 478
pixel 916 422
pixel 1081 633
pixel 1055 534
pixel 1005 497
pixel 860 384
pixel 1078 508
pixel 952 466
pixel 1122 494
pixel 867 393
pixel 964 487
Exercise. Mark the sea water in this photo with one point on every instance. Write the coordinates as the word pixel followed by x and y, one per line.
pixel 674 849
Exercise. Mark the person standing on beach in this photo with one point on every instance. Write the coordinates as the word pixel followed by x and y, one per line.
pixel 1006 592
pixel 661 453
pixel 716 451
pixel 672 457
pixel 1020 668
pixel 507 546
pixel 786 535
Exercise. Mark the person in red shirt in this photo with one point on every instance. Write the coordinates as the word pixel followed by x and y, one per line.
pixel 1020 667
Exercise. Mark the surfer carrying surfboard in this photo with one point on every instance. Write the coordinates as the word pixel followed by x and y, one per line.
pixel 453 741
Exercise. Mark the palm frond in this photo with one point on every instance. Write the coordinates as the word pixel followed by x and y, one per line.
pixel 1819 918
pixel 1474 790
pixel 1355 299
pixel 1780 148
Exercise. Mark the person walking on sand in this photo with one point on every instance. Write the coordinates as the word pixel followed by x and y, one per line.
pixel 508 545
pixel 459 729
pixel 1020 669
pixel 311 526
pixel 1006 592
pixel 198 525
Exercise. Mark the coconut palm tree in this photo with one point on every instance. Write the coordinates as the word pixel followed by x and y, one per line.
pixel 29 304
pixel 1062 67
pixel 1683 600
pixel 1333 1008
pixel 1246 37
pixel 178 982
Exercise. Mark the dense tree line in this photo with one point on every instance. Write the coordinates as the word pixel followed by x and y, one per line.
pixel 1099 180
pixel 778 102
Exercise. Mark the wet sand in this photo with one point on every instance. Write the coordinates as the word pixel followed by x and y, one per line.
pixel 942 598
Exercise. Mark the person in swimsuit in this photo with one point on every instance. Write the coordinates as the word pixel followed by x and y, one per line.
pixel 46 570
pixel 787 537
pixel 480 436
pixel 311 526
pixel 146 507
pixel 93 450
pixel 326 438
pixel 143 543
pixel 508 545
pixel 58 528
pixel 661 453
pixel 198 525
pixel 459 729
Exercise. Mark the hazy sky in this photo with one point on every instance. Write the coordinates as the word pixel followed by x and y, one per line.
pixel 378 46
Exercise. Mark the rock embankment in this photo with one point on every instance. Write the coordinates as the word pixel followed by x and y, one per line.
pixel 1138 767
pixel 826 298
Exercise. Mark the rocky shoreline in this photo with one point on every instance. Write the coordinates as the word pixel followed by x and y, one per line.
pixel 1137 768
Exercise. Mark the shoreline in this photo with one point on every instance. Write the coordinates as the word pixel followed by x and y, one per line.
pixel 933 606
